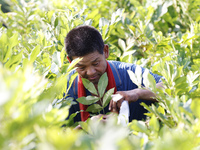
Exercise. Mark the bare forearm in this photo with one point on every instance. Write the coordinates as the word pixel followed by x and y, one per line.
pixel 133 96
pixel 146 94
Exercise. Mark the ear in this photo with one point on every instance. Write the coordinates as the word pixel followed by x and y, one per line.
pixel 106 51
pixel 68 59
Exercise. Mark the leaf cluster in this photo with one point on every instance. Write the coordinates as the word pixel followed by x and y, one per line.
pixel 102 95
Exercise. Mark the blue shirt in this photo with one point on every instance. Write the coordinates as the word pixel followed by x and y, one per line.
pixel 123 83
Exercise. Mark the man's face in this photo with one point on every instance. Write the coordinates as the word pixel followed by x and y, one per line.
pixel 93 65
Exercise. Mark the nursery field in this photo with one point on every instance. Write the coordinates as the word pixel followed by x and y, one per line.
pixel 161 35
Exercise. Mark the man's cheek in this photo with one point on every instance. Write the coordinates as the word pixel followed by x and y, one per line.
pixel 82 74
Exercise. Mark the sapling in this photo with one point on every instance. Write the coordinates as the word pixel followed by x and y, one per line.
pixel 97 95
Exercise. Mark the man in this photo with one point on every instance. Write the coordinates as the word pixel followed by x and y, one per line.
pixel 86 42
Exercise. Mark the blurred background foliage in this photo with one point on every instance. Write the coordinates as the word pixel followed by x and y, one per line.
pixel 162 36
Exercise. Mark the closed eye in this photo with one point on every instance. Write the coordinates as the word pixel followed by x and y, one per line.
pixel 81 68
pixel 96 64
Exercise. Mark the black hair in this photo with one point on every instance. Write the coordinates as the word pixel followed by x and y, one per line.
pixel 83 40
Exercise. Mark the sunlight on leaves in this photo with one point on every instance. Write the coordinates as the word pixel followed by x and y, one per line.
pixel 89 85
pixel 102 84
pixel 88 100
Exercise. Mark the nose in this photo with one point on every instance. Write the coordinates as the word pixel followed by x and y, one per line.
pixel 91 71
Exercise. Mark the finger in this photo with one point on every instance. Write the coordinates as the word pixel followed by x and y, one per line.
pixel 110 105
pixel 119 103
pixel 114 108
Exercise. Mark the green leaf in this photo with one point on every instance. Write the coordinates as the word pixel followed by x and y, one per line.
pixel 90 86
pixel 84 126
pixel 134 78
pixel 13 41
pixel 62 56
pixel 116 16
pixel 25 62
pixel 102 84
pixel 56 58
pixel 46 60
pixel 3 40
pixel 113 18
pixel 104 32
pixel 128 53
pixel 14 59
pixel 73 63
pixel 88 100
pixel 103 22
pixel 161 110
pixel 54 68
pixel 107 97
pixel 149 80
pixel 131 29
pixel 170 69
pixel 8 53
pixel 56 22
pixel 34 53
pixel 154 124
pixel 153 110
pixel 162 117
pixel 180 80
pixel 192 76
pixel 72 77
pixel 138 72
pixel 195 107
pixel 139 126
pixel 122 44
pixel 177 73
pixel 60 86
pixel 146 107
pixel 94 108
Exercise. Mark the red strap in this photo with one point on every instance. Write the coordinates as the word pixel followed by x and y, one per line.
pixel 81 91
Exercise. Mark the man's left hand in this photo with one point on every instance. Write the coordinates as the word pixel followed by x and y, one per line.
pixel 130 96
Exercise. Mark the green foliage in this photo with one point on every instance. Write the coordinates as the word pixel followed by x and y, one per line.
pixel 162 36
pixel 101 95
pixel 90 86
pixel 88 100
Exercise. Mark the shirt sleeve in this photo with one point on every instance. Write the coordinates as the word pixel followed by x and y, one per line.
pixel 155 76
pixel 127 82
